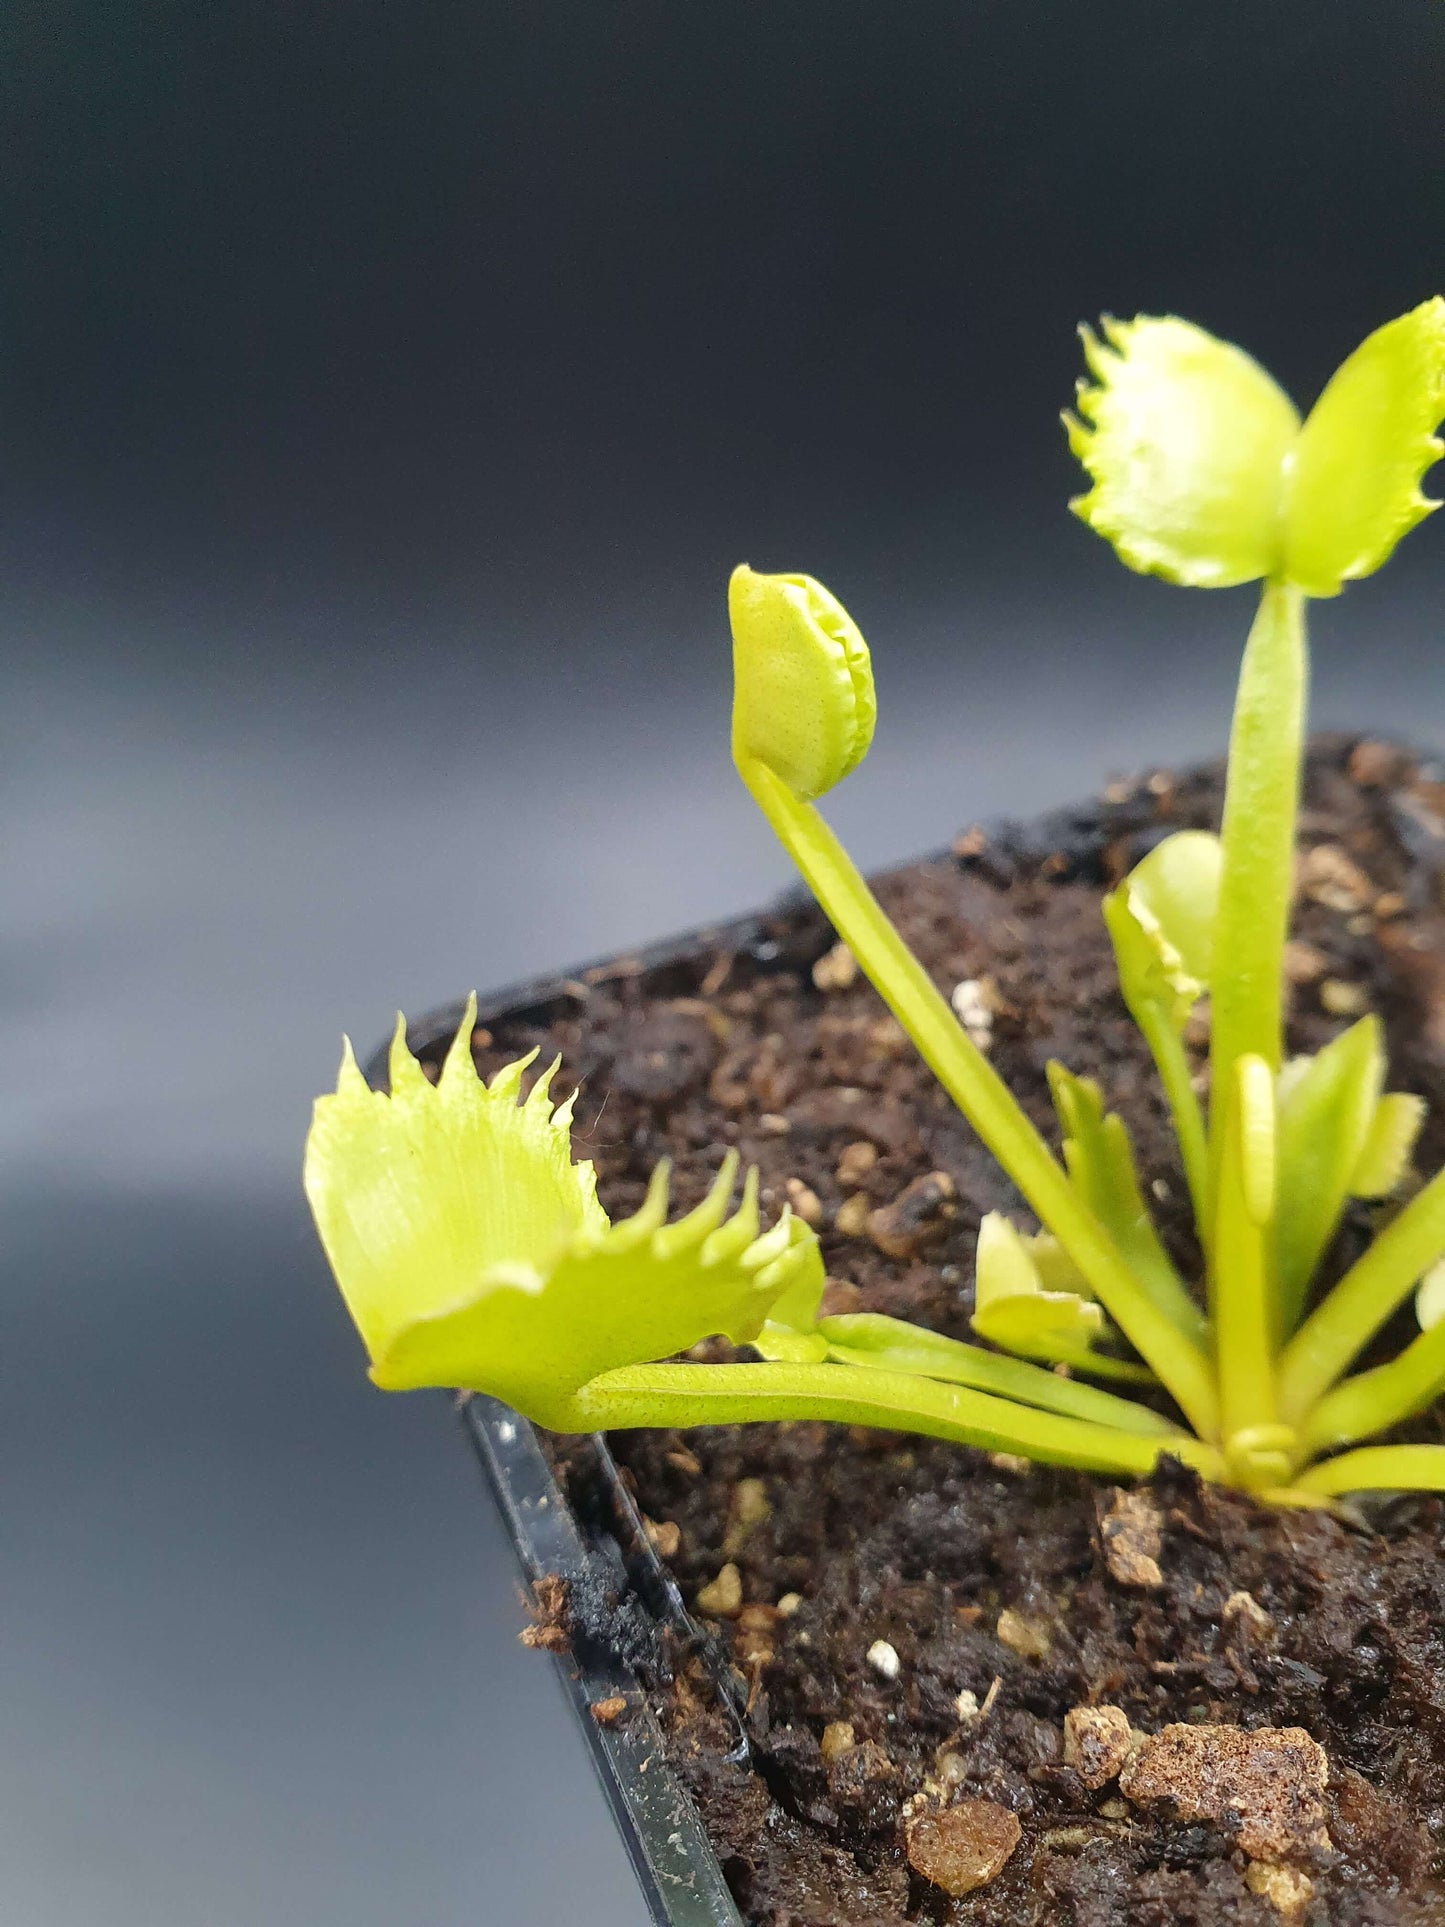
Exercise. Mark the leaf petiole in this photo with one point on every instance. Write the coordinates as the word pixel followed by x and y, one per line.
pixel 1378 1468
pixel 1361 1302
pixel 686 1395
pixel 979 1092
pixel 1257 834
pixel 891 1344
pixel 1374 1401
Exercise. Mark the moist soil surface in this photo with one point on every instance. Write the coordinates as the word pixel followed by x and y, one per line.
pixel 999 1594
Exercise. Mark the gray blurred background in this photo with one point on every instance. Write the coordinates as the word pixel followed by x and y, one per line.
pixel 387 392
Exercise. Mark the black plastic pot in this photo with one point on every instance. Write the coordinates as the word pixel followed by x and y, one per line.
pixel 606 1559
pixel 670 1854
pixel 623 1589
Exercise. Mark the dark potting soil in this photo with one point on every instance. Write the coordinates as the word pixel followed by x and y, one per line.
pixel 1000 1601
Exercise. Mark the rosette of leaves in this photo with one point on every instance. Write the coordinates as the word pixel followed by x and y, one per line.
pixel 473 1251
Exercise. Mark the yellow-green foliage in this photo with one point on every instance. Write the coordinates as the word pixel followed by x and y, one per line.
pixel 472 1251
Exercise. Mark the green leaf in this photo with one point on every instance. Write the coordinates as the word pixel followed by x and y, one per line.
pixel 890 1344
pixel 1373 1401
pixel 1161 921
pixel 1257 836
pixel 1327 1107
pixel 1355 478
pixel 1243 1292
pixel 1349 1316
pixel 1100 1160
pixel 472 1252
pixel 1185 438
pixel 803 701
pixel 1013 1310
pixel 1011 1307
pixel 1378 1468
pixel 1430 1298
pixel 1385 1158
pixel 668 1395
pixel 1257 1135
pixel 784 1344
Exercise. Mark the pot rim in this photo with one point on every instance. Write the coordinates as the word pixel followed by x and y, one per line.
pixel 662 1832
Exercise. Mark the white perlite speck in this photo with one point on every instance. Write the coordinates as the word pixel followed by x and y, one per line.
pixel 884 1659
pixel 973 1010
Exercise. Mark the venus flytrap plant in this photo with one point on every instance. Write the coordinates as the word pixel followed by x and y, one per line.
pixel 473 1252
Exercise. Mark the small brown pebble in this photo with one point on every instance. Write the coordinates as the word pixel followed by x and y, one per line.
pixel 836 969
pixel 481 1037
pixel 852 1215
pixel 758 1618
pixel 774 1124
pixel 1377 765
pixel 748 1507
pixel 681 1460
pixel 1287 1889
pixel 789 1604
pixel 917 1217
pixel 859 1775
pixel 1067 1839
pixel 1132 1532
pixel 1269 1782
pixel 723 1596
pixel 838 1738
pixel 1097 1742
pixel 1009 1462
pixel 1303 964
pixel 1245 1610
pixel 1343 1000
pixel 840 1296
pixel 964 1847
pixel 664 1536
pixel 970 842
pixel 805 1202
pixel 609 1711
pixel 1389 904
pixel 1027 1637
pixel 855 1162
pixel 1328 876
pixel 725 1088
